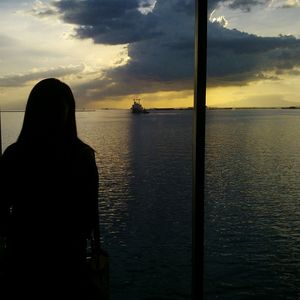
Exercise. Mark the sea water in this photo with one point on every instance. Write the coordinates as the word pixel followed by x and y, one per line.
pixel 252 204
pixel 145 197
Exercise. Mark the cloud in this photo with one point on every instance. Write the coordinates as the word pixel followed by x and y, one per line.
pixel 235 57
pixel 244 5
pixel 248 5
pixel 146 7
pixel 43 9
pixel 17 80
pixel 7 41
pixel 221 20
pixel 160 42
pixel 114 88
pixel 11 2
pixel 285 3
pixel 109 21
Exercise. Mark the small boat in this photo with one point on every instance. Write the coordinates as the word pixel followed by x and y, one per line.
pixel 137 107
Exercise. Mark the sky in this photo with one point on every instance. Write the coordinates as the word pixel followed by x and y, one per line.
pixel 253 53
pixel 107 51
pixel 111 51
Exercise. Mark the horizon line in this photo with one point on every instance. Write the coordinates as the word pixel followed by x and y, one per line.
pixel 109 108
pixel 252 107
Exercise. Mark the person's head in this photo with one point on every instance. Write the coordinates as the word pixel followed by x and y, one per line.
pixel 50 113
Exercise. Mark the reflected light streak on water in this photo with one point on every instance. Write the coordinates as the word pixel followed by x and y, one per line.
pixel 252 208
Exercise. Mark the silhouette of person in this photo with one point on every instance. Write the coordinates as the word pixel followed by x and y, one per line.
pixel 49 200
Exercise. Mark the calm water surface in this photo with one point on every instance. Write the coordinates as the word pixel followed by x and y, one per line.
pixel 252 204
pixel 145 166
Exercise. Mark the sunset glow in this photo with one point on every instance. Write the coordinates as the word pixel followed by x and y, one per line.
pixel 99 50
pixel 253 53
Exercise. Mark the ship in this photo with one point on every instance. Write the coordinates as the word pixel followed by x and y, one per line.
pixel 137 107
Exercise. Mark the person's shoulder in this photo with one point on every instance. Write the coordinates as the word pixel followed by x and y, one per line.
pixel 85 150
pixel 10 157
pixel 11 150
pixel 81 146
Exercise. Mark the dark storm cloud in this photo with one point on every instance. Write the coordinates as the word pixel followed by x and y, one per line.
pixel 242 42
pixel 109 21
pixel 236 57
pixel 161 43
pixel 161 46
pixel 185 6
pixel 246 5
pixel 213 4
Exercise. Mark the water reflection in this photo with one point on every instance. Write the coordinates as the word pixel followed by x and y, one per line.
pixel 252 208
pixel 161 206
pixel 108 133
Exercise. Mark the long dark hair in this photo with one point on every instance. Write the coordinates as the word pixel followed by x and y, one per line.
pixel 49 114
